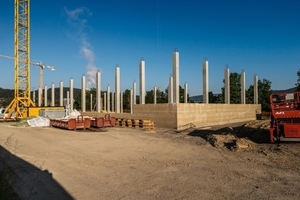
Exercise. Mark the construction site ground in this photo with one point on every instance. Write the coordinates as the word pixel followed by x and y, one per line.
pixel 232 161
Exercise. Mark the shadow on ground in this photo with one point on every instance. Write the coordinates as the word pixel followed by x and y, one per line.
pixel 22 180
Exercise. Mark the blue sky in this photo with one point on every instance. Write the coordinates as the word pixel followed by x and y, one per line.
pixel 78 37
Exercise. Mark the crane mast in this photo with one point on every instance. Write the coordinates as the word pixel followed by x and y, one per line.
pixel 22 100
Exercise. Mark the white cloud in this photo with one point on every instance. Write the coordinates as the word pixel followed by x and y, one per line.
pixel 76 19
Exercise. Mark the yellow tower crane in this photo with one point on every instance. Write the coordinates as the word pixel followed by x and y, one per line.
pixel 22 100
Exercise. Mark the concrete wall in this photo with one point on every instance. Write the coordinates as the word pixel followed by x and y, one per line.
pixel 181 116
pixel 213 114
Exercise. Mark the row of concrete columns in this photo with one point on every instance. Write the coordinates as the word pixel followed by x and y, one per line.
pixel 243 87
pixel 173 93
pixel 173 88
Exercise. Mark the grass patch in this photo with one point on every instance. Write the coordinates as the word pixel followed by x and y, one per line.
pixel 22 122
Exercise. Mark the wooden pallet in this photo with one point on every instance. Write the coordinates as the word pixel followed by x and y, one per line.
pixel 135 123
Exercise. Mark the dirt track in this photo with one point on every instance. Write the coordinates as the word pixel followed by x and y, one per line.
pixel 232 162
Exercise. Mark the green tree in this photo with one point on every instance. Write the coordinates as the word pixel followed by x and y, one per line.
pixel 235 89
pixel 126 100
pixel 78 100
pixel 181 95
pixel 149 98
pixel 264 92
pixel 6 96
pixel 212 98
pixel 298 82
pixel 161 97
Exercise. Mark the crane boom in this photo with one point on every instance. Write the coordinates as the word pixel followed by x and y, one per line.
pixel 40 64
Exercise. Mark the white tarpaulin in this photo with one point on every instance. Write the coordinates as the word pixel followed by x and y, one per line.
pixel 39 122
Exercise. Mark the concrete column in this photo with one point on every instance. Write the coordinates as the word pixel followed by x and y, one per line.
pixel 142 82
pixel 104 99
pixel 243 88
pixel 205 82
pixel 68 97
pixel 45 96
pixel 83 94
pixel 52 95
pixel 131 101
pixel 101 101
pixel 227 86
pixel 185 93
pixel 98 91
pixel 170 91
pixel 91 101
pixel 108 99
pixel 121 102
pixel 175 61
pixel 134 92
pixel 154 94
pixel 39 97
pixel 255 89
pixel 33 95
pixel 71 95
pixel 61 94
pixel 112 101
pixel 117 89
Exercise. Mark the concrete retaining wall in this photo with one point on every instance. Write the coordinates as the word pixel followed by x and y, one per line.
pixel 181 116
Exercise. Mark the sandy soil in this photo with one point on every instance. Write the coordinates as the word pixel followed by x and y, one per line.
pixel 235 161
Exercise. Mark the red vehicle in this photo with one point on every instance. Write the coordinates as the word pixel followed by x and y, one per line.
pixel 285 117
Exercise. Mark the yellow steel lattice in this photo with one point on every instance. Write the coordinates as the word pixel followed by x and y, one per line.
pixel 22 99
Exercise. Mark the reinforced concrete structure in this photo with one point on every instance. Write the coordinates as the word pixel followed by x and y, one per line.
pixel 39 97
pixel 33 96
pixel 71 94
pixel 52 95
pixel 61 94
pixel 185 93
pixel 98 92
pixel 45 96
pixel 108 99
pixel 255 89
pixel 112 102
pixel 83 93
pixel 205 81
pixel 227 86
pixel 117 89
pixel 104 99
pixel 175 63
pixel 142 82
pixel 154 95
pixel 134 92
pixel 243 88
pixel 91 102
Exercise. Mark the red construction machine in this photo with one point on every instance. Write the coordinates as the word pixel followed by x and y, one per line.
pixel 285 117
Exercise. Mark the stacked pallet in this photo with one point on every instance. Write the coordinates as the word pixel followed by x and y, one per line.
pixel 146 124
pixel 136 123
pixel 121 122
